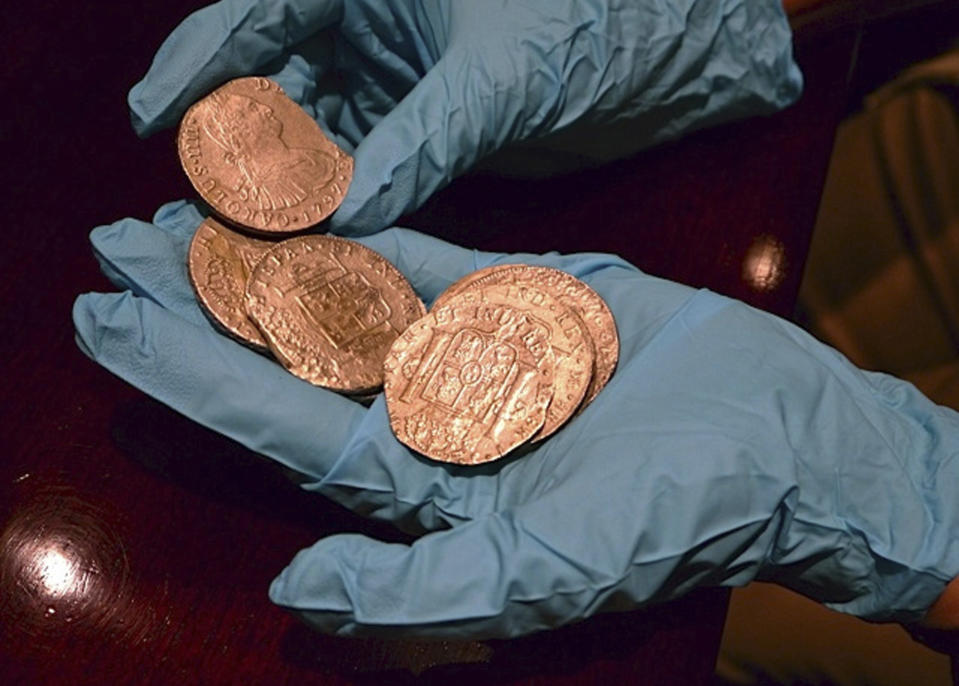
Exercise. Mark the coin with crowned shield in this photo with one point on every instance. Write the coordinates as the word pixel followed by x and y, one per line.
pixel 330 308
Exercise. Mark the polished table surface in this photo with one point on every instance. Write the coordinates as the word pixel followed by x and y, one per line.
pixel 137 547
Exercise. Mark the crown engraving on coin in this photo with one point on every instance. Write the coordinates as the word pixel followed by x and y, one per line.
pixel 330 309
pixel 565 334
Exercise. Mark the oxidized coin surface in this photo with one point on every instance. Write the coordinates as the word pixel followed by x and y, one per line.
pixel 469 382
pixel 330 309
pixel 570 291
pixel 219 263
pixel 260 160
pixel 570 342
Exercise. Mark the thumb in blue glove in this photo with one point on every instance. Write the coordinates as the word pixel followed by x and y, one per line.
pixel 728 446
pixel 422 90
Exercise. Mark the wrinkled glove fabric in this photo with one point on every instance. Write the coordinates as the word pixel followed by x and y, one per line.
pixel 728 446
pixel 421 91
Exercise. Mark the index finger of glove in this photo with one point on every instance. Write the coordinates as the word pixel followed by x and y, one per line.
pixel 436 132
pixel 215 382
pixel 346 451
pixel 219 42
pixel 150 258
pixel 488 578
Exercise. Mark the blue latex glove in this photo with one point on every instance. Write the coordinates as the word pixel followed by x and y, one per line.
pixel 424 89
pixel 729 445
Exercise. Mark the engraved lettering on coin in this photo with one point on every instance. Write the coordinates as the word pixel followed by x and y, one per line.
pixel 219 262
pixel 260 160
pixel 568 338
pixel 469 382
pixel 330 309
pixel 570 291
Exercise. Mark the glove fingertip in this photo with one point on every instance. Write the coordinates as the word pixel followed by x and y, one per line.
pixel 317 578
pixel 92 313
pixel 349 226
pixel 416 149
pixel 182 216
pixel 144 125
pixel 278 589
pixel 104 234
pixel 361 212
pixel 84 323
pixel 177 217
pixel 154 107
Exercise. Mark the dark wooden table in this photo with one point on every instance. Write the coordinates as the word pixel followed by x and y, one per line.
pixel 136 547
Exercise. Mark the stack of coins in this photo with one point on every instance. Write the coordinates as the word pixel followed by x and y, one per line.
pixel 327 308
pixel 330 309
pixel 506 356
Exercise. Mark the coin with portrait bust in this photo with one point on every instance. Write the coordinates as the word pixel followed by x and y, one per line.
pixel 470 381
pixel 219 263
pixel 330 308
pixel 572 292
pixel 259 160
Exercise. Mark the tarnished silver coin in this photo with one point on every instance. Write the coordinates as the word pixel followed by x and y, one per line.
pixel 259 160
pixel 330 308
pixel 570 291
pixel 219 263
pixel 568 338
pixel 469 382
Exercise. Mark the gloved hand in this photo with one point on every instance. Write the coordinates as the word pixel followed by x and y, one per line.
pixel 729 445
pixel 420 90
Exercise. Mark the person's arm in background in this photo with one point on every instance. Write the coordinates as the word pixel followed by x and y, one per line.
pixel 944 614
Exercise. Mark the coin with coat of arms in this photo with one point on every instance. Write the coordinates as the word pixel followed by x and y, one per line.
pixel 259 160
pixel 570 291
pixel 568 337
pixel 330 308
pixel 470 381
pixel 219 263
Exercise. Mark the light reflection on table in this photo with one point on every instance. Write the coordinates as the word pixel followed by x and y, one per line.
pixel 63 567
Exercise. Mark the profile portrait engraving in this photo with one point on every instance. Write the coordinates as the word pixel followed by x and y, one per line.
pixel 272 175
